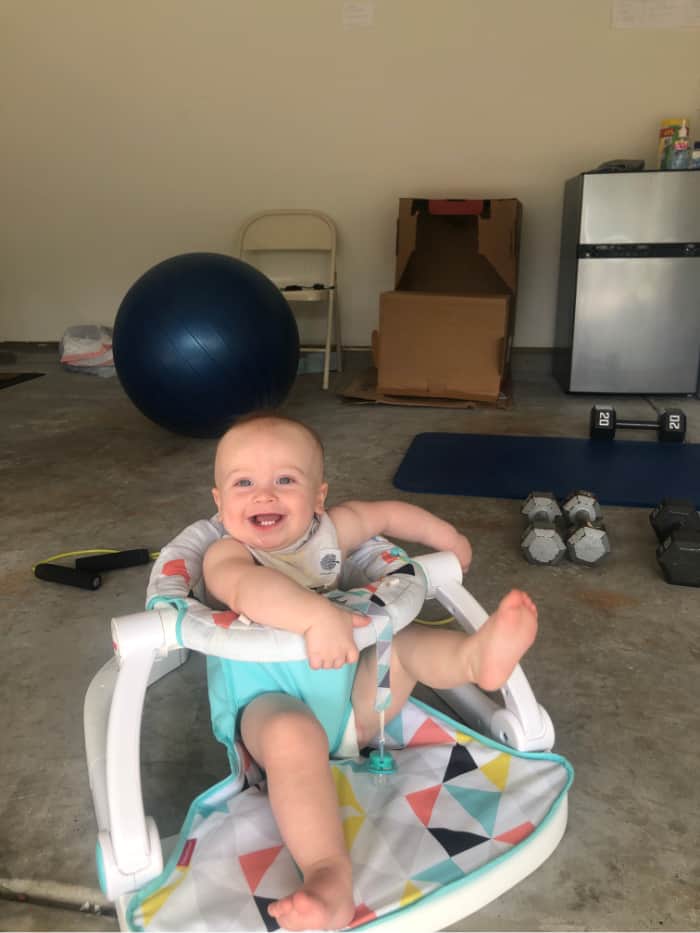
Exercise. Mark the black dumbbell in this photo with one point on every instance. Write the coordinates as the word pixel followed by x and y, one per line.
pixel 671 424
pixel 672 514
pixel 542 541
pixel 587 540
pixel 677 526
pixel 679 557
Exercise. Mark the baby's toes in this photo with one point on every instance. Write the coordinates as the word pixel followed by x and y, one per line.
pixel 512 600
pixel 529 603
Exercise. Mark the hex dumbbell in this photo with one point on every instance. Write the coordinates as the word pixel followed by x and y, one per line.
pixel 679 557
pixel 671 424
pixel 542 541
pixel 587 540
pixel 671 514
pixel 677 526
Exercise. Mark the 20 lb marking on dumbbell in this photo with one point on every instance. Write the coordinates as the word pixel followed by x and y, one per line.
pixel 671 424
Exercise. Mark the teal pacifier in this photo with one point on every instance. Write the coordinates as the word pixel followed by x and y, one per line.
pixel 381 762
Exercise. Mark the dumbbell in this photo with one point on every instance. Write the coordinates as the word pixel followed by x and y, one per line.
pixel 587 540
pixel 542 541
pixel 677 526
pixel 671 424
pixel 672 514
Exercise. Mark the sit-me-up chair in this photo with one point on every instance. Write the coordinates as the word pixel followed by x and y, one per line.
pixel 439 819
pixel 296 249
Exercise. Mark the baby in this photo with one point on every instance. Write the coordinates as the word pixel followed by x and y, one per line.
pixel 281 550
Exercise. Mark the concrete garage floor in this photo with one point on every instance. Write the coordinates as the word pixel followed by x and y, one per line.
pixel 616 663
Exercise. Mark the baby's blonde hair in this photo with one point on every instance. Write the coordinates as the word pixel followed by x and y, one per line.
pixel 275 416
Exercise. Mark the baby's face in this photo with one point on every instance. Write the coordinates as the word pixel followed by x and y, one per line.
pixel 269 483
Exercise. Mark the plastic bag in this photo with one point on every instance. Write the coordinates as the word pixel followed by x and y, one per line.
pixel 87 348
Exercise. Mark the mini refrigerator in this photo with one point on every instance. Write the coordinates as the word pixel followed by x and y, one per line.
pixel 628 307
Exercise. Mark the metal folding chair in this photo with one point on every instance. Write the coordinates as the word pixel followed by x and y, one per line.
pixel 296 249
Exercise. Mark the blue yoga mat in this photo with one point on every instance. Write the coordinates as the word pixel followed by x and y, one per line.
pixel 637 473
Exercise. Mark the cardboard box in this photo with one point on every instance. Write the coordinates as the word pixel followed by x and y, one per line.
pixel 363 388
pixel 446 330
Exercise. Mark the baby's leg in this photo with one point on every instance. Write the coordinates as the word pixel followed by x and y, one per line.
pixel 287 740
pixel 445 658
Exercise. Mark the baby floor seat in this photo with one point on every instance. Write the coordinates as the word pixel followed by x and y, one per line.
pixel 464 817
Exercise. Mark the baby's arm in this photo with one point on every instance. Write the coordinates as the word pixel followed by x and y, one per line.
pixel 270 598
pixel 356 522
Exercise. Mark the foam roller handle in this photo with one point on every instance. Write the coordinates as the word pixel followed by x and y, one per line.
pixel 55 573
pixel 115 561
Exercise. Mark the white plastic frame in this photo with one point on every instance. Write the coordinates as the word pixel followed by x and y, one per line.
pixel 519 721
pixel 129 850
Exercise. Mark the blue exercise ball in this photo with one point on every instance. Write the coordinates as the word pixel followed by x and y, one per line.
pixel 201 339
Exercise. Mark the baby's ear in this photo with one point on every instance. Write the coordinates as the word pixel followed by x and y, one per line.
pixel 217 498
pixel 321 497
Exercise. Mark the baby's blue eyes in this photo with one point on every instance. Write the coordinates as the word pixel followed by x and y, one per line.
pixel 282 481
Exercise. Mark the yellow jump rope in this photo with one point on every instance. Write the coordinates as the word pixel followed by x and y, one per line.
pixel 89 564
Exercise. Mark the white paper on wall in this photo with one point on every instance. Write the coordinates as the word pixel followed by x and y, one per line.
pixel 655 14
pixel 358 14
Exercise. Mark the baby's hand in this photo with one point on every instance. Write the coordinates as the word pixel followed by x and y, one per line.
pixel 329 641
pixel 463 549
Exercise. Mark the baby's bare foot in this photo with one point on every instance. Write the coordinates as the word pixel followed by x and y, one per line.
pixel 323 902
pixel 502 640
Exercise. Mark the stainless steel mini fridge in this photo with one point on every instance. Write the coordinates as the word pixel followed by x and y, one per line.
pixel 628 309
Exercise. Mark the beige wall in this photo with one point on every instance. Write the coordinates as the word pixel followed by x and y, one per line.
pixel 138 129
